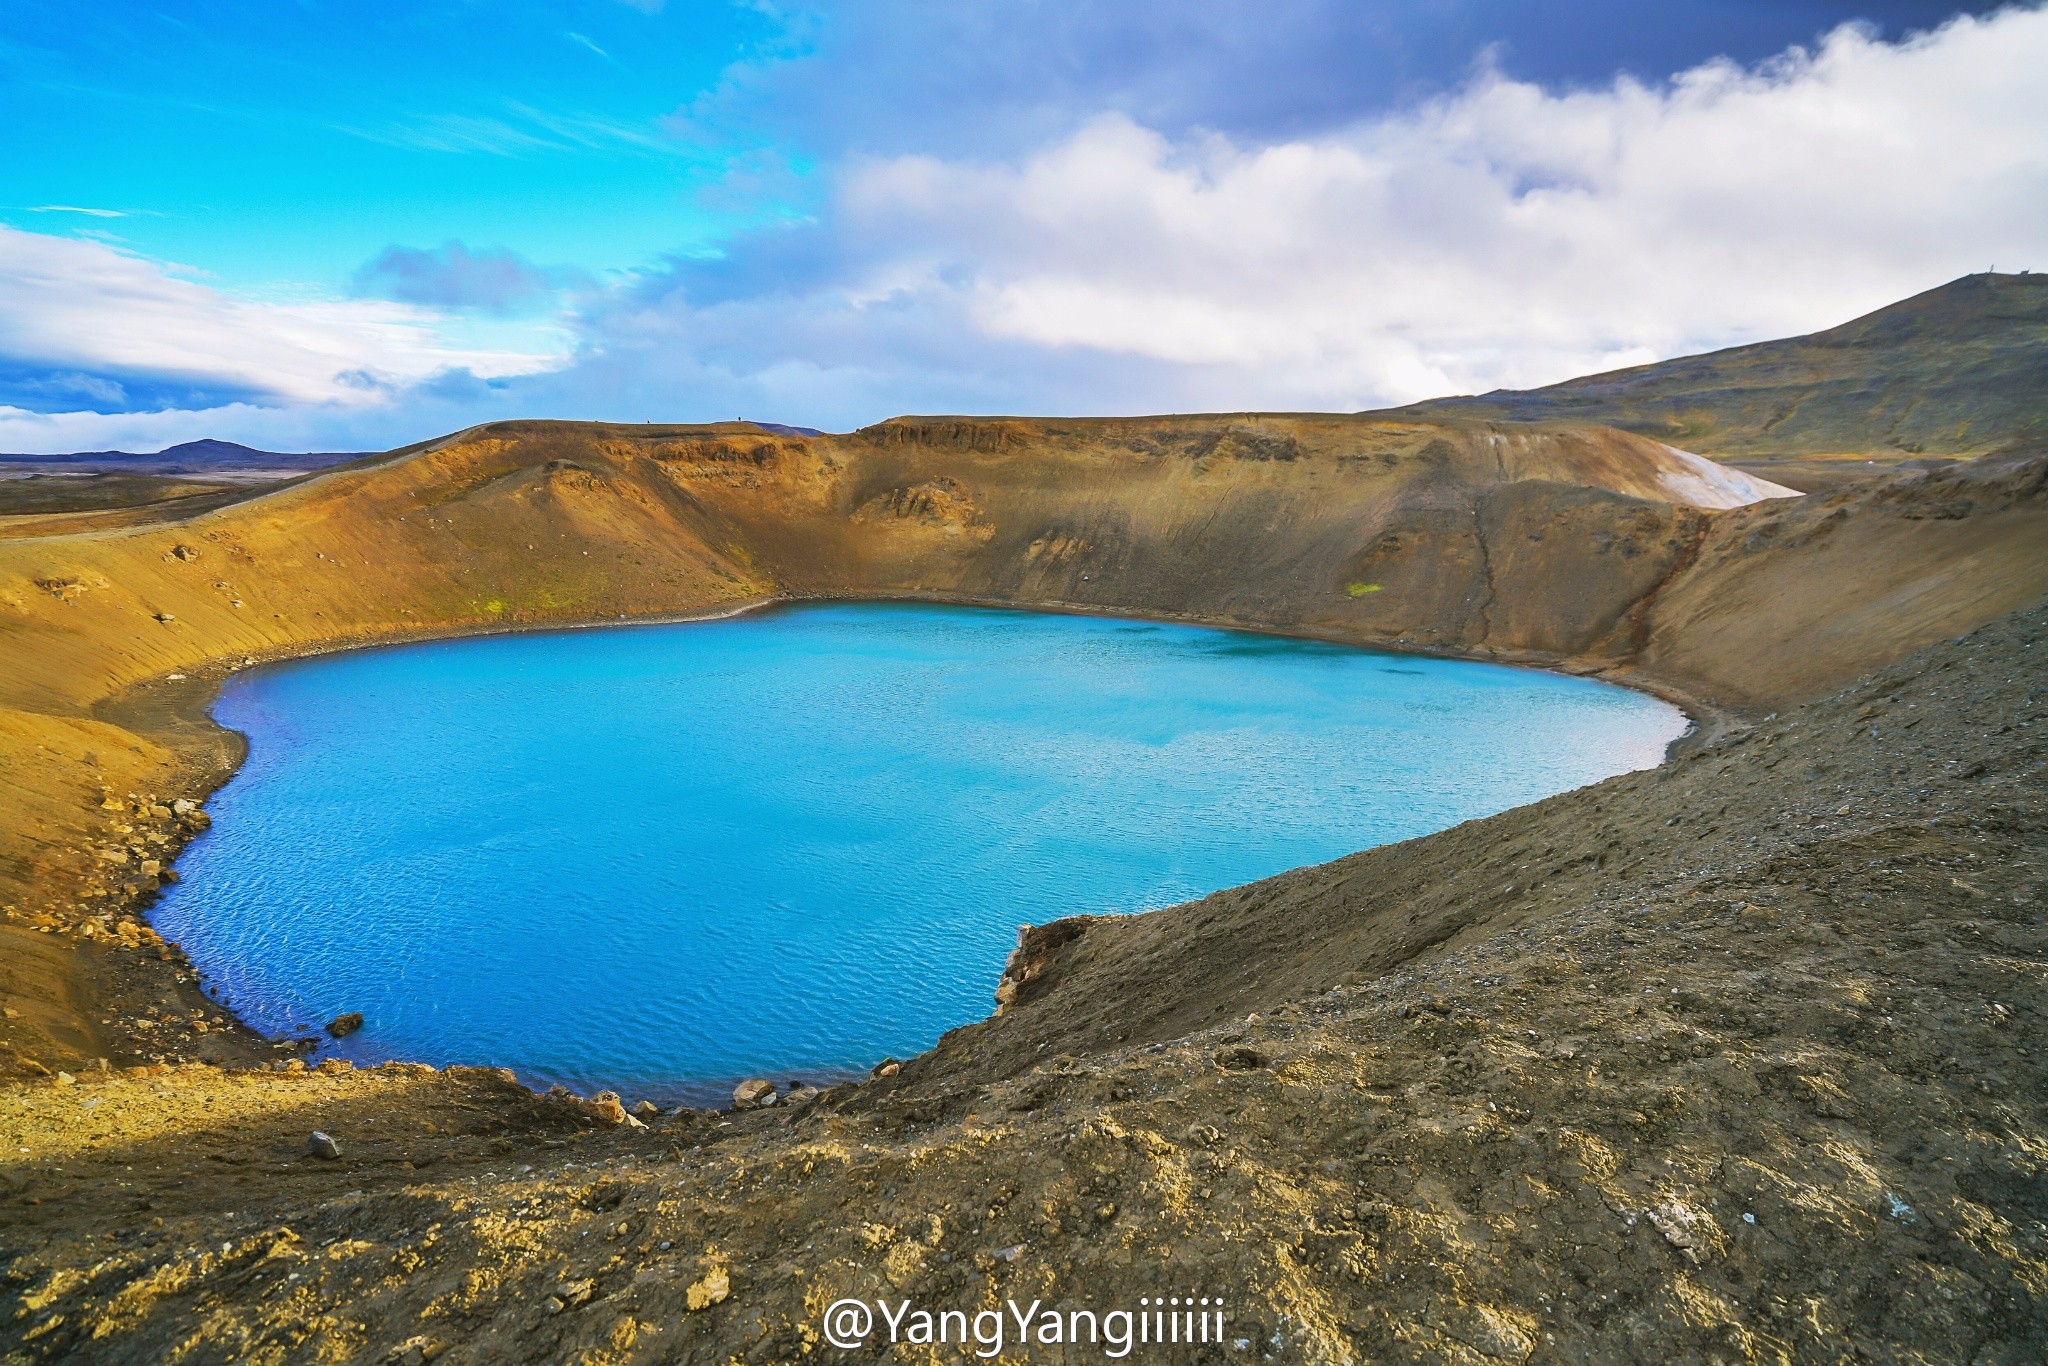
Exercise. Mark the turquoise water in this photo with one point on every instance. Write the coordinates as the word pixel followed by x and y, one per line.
pixel 660 858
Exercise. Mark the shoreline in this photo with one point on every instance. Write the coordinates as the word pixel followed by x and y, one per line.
pixel 1410 1056
pixel 434 542
pixel 195 708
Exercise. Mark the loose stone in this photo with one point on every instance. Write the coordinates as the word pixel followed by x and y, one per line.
pixel 713 1289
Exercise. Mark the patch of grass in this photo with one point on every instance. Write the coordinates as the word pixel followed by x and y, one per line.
pixel 1359 590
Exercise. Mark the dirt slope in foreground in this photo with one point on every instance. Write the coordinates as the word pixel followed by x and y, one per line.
pixel 1734 1059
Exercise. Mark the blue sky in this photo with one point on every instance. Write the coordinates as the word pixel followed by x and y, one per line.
pixel 266 142
pixel 325 224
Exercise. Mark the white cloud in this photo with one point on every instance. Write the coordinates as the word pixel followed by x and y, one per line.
pixel 71 305
pixel 1504 236
pixel 74 208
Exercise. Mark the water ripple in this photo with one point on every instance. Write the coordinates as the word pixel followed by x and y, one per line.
pixel 661 858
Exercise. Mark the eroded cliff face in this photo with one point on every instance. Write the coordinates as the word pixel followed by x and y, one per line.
pixel 1462 538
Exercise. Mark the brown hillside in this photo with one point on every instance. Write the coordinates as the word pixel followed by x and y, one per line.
pixel 1569 545
pixel 1961 369
pixel 1458 1127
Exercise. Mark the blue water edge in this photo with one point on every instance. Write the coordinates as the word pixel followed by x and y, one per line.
pixel 660 858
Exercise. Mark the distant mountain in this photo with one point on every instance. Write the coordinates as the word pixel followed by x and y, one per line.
pixel 1959 370
pixel 222 459
pixel 781 429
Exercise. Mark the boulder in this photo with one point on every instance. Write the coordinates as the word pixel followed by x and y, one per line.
pixel 322 1146
pixel 606 1108
pixel 754 1093
pixel 341 1026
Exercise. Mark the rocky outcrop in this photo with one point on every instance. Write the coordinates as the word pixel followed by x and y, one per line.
pixel 1037 948
pixel 754 1093
pixel 944 505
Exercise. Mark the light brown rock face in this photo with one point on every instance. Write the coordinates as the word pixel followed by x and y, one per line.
pixel 753 1094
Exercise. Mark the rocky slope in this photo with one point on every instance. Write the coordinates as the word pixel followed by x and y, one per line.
pixel 1958 370
pixel 1459 1124
pixel 1733 1060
